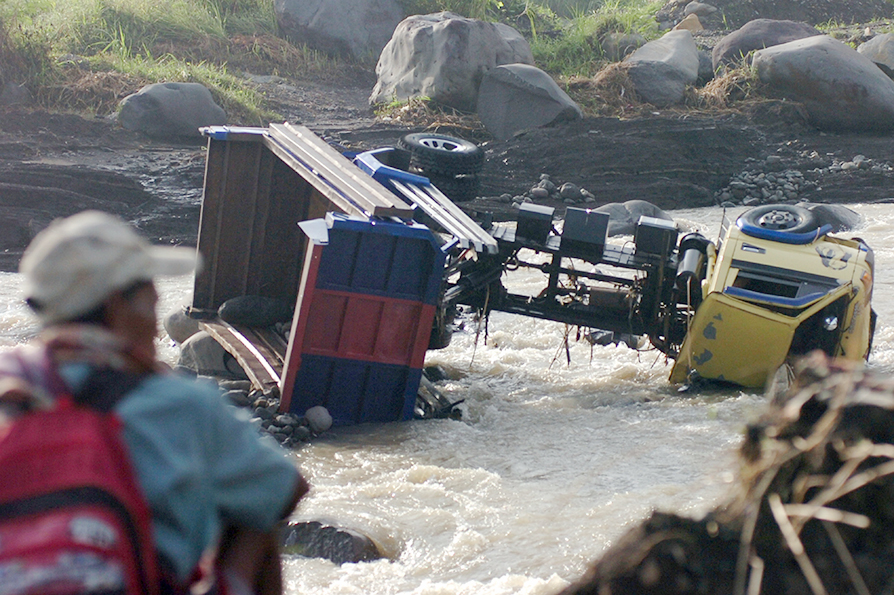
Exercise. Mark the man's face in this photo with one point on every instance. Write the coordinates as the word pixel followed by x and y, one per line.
pixel 133 318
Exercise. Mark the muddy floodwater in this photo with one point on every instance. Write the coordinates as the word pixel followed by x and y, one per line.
pixel 552 461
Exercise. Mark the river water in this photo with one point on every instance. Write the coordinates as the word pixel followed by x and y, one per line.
pixel 550 464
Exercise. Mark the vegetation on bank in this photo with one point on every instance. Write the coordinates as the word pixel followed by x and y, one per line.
pixel 86 55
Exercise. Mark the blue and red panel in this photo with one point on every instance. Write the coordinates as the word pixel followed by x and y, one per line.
pixel 365 314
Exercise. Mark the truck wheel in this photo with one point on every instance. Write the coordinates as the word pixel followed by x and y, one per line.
pixel 788 218
pixel 442 154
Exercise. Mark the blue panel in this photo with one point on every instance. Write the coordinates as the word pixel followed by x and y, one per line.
pixel 411 271
pixel 356 392
pixel 384 259
pixel 337 261
pixel 375 260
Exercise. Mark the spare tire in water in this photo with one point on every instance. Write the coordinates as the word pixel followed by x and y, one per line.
pixel 441 154
pixel 788 218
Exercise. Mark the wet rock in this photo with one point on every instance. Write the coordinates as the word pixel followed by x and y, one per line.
pixel 569 190
pixel 179 326
pixel 205 356
pixel 253 310
pixel 623 216
pixel 318 419
pixel 839 217
pixel 316 540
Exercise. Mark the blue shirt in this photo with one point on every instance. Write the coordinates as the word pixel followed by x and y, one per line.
pixel 200 464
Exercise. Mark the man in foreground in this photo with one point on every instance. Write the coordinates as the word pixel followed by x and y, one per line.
pixel 214 488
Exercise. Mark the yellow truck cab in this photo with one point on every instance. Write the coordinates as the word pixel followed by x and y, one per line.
pixel 778 286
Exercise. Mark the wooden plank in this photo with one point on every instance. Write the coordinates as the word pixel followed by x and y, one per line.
pixel 260 352
pixel 333 175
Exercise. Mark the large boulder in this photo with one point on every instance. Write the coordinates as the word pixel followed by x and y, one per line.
pixel 880 49
pixel 358 28
pixel 170 110
pixel 840 88
pixel 622 216
pixel 203 355
pixel 732 14
pixel 839 217
pixel 444 56
pixel 662 69
pixel 516 97
pixel 617 45
pixel 255 310
pixel 757 35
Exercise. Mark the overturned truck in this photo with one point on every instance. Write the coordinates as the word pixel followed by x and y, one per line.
pixel 375 259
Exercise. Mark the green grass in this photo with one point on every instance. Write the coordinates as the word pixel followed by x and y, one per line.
pixel 578 50
pixel 129 43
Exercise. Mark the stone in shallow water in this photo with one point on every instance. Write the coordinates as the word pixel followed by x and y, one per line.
pixel 315 540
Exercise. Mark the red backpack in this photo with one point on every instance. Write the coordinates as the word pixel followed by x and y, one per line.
pixel 72 517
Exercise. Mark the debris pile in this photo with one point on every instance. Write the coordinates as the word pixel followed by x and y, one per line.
pixel 815 508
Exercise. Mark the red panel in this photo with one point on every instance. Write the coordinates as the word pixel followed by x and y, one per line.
pixel 361 326
pixel 325 322
pixel 366 328
pixel 398 331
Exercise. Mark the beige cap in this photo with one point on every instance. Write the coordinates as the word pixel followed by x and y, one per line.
pixel 73 265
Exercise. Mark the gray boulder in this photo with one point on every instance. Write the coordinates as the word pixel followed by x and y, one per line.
pixel 757 35
pixel 339 545
pixel 840 88
pixel 622 217
pixel 358 28
pixel 254 310
pixel 662 69
pixel 839 217
pixel 444 56
pixel 880 49
pixel 616 45
pixel 700 9
pixel 179 326
pixel 206 357
pixel 516 97
pixel 170 109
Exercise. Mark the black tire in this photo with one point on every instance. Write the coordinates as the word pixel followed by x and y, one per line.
pixel 788 218
pixel 459 188
pixel 441 154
